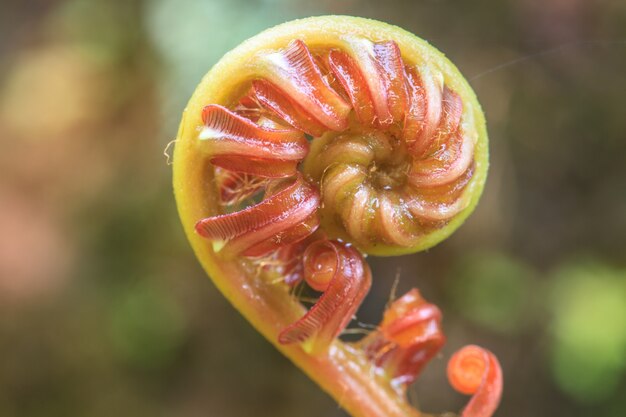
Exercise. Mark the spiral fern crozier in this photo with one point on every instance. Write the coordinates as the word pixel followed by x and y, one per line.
pixel 309 145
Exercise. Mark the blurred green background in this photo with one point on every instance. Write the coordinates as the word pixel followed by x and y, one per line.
pixel 105 312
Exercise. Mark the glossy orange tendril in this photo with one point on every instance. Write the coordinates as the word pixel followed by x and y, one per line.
pixel 331 149
pixel 476 371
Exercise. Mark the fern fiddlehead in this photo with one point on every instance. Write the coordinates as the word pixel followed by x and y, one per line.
pixel 309 145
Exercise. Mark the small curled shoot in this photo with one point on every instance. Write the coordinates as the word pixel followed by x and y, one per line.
pixel 408 337
pixel 339 271
pixel 476 371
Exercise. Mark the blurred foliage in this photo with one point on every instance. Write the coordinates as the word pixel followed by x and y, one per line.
pixel 588 356
pixel 104 310
pixel 146 326
pixel 494 291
